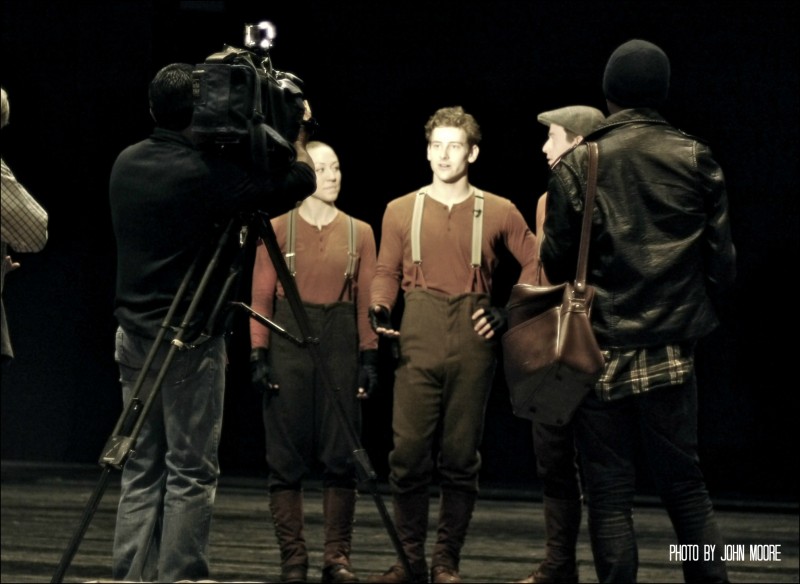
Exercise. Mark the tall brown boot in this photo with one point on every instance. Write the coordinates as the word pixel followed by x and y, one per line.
pixel 455 514
pixel 562 522
pixel 338 509
pixel 287 515
pixel 411 522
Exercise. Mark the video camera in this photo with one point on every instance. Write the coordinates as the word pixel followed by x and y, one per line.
pixel 241 103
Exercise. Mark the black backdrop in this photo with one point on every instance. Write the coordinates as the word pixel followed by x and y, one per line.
pixel 77 76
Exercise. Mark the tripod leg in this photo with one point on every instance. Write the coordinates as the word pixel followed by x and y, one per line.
pixel 123 439
pixel 88 514
pixel 367 474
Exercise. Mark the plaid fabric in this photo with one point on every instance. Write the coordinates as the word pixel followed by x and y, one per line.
pixel 633 371
pixel 23 222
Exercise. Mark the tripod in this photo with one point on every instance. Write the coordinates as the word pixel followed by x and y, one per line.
pixel 120 445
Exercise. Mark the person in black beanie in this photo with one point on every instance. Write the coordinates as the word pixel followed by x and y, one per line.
pixel 661 254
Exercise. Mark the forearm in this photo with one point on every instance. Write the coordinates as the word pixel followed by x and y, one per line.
pixel 301 180
pixel 262 296
pixel 389 267
pixel 367 337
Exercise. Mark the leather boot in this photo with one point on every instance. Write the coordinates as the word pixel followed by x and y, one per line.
pixel 338 510
pixel 562 522
pixel 287 516
pixel 411 523
pixel 455 514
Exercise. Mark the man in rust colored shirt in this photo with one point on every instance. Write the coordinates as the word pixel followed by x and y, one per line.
pixel 439 245
pixel 332 258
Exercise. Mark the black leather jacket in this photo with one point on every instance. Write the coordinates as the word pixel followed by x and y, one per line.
pixel 661 248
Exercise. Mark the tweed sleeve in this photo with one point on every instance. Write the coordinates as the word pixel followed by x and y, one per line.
pixel 23 221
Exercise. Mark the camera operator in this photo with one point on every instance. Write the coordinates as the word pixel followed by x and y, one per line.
pixel 167 198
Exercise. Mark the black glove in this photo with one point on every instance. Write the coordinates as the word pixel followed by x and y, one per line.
pixel 379 317
pixel 368 373
pixel 497 318
pixel 259 370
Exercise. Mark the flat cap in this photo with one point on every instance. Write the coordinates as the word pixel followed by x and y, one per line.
pixel 578 119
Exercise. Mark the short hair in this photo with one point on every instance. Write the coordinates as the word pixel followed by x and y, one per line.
pixel 454 117
pixel 314 144
pixel 6 110
pixel 171 99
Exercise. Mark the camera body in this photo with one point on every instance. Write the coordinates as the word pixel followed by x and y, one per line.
pixel 243 105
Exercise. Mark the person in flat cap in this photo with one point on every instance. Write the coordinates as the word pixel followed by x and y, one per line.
pixel 554 446
pixel 661 256
pixel 567 127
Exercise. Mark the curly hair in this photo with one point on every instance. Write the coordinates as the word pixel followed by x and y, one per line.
pixel 454 117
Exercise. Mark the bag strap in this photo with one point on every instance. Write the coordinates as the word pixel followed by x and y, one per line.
pixel 588 210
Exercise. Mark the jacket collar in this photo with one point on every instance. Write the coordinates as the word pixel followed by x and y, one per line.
pixel 624 117
pixel 170 136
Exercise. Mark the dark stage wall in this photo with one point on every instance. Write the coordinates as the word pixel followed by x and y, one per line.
pixel 77 75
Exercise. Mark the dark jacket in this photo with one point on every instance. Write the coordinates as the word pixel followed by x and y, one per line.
pixel 169 202
pixel 661 249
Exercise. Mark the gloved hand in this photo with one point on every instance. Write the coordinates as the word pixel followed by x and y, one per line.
pixel 368 373
pixel 259 370
pixel 308 125
pixel 490 321
pixel 380 320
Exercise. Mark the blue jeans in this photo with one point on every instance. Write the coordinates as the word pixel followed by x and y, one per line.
pixel 663 424
pixel 169 481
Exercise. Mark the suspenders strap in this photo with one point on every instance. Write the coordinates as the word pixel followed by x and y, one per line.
pixel 291 237
pixel 351 250
pixel 477 228
pixel 352 257
pixel 351 261
pixel 416 227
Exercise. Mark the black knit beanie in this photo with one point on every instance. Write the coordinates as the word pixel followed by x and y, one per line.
pixel 637 75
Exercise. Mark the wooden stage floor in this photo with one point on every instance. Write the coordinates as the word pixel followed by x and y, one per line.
pixel 43 506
